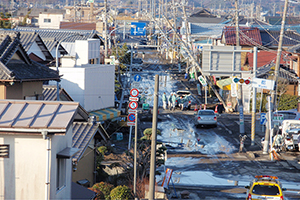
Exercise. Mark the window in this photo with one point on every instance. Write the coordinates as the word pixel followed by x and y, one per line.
pixel 47 20
pixel 4 151
pixel 61 173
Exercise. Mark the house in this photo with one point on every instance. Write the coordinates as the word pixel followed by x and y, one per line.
pixel 31 15
pixel 67 38
pixel 21 77
pixel 87 137
pixel 36 149
pixel 33 45
pixel 85 79
pixel 50 20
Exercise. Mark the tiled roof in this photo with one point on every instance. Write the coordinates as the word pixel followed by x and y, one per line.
pixel 285 73
pixel 22 69
pixel 77 26
pixel 271 38
pixel 249 36
pixel 28 39
pixel 50 94
pixel 264 58
pixel 37 114
pixel 83 132
pixel 60 34
pixel 276 20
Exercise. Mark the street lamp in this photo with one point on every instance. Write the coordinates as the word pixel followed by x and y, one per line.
pixel 56 59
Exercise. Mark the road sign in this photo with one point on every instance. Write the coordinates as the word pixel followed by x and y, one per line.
pixel 133 105
pixel 130 123
pixel 241 114
pixel 137 78
pixel 263 83
pixel 133 99
pixel 138 29
pixel 131 117
pixel 263 118
pixel 134 92
pixel 202 81
pixel 278 116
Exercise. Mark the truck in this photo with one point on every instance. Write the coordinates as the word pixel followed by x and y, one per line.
pixel 290 132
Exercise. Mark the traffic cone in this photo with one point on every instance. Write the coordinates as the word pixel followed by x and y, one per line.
pixel 216 109
pixel 196 107
pixel 204 107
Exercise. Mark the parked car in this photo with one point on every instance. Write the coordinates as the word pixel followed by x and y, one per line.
pixel 290 130
pixel 206 118
pixel 265 187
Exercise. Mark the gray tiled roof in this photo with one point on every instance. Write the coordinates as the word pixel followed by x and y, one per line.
pixel 83 132
pixel 59 34
pixel 23 69
pixel 28 39
pixel 50 93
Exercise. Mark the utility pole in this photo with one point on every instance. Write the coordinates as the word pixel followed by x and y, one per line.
pixel 175 28
pixel 237 23
pixel 277 65
pixel 253 97
pixel 240 94
pixel 153 141
pixel 105 30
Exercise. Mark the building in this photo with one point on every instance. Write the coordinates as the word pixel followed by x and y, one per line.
pixel 36 149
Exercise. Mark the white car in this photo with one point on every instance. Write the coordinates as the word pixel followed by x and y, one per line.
pixel 206 118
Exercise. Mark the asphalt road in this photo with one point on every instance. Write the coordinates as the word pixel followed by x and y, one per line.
pixel 223 159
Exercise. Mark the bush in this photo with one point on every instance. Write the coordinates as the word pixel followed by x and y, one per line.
pixel 105 188
pixel 99 195
pixel 121 193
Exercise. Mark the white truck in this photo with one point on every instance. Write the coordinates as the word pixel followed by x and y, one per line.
pixel 290 132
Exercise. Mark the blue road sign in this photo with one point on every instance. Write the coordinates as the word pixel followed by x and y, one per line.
pixel 263 118
pixel 131 117
pixel 137 78
pixel 138 29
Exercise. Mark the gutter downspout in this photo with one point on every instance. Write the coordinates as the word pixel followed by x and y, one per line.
pixel 48 151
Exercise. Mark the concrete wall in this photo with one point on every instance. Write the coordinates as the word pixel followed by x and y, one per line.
pixel 23 174
pixel 92 85
pixel 87 50
pixel 85 167
pixel 55 21
pixel 100 87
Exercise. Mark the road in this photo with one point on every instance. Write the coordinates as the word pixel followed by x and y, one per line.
pixel 206 161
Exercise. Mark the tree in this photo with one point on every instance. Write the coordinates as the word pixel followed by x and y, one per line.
pixel 121 193
pixel 143 159
pixel 104 188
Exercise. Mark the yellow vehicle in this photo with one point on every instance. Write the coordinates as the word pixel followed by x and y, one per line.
pixel 265 187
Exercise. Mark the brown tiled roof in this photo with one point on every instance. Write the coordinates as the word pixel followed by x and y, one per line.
pixel 77 26
pixel 249 36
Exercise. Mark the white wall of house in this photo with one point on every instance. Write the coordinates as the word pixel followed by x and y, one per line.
pixel 23 174
pixel 91 85
pixel 84 52
pixel 35 49
pixel 87 50
pixel 51 21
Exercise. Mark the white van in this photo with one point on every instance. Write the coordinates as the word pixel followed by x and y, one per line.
pixel 290 131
